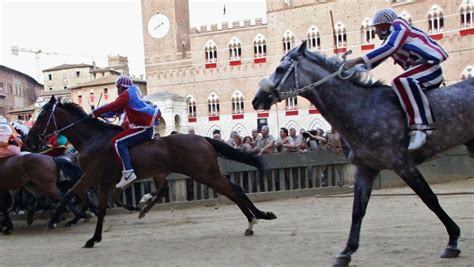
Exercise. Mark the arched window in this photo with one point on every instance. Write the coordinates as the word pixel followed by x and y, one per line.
pixel 466 14
pixel 235 49
pixel 314 40
pixel 288 41
pixel 468 72
pixel 259 46
pixel 341 35
pixel 213 104
pixel 237 103
pixel 406 16
pixel 435 19
pixel 367 31
pixel 292 103
pixel 191 102
pixel 210 51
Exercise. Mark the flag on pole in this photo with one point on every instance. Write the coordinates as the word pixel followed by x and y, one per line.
pixel 224 10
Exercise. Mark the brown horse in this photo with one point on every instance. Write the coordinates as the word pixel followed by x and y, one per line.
pixel 192 155
pixel 39 173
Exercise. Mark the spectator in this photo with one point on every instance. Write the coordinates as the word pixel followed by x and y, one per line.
pixel 255 136
pixel 248 145
pixel 216 134
pixel 334 141
pixel 237 141
pixel 231 141
pixel 315 140
pixel 285 143
pixel 191 131
pixel 298 140
pixel 266 143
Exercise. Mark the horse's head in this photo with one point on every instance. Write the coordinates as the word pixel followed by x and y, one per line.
pixel 45 125
pixel 283 80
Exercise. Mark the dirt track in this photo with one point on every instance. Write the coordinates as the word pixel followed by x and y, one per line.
pixel 397 231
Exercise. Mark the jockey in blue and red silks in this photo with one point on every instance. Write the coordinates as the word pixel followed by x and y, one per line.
pixel 420 57
pixel 142 116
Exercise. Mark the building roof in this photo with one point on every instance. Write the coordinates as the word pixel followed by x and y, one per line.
pixel 25 109
pixel 26 76
pixel 55 92
pixel 162 95
pixel 109 79
pixel 69 66
pixel 104 70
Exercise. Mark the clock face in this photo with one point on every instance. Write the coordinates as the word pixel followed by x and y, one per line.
pixel 158 26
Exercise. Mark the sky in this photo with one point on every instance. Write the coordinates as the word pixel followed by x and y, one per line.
pixel 83 31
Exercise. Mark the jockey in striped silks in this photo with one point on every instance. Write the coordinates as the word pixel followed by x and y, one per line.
pixel 420 57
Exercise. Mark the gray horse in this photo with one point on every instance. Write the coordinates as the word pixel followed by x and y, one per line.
pixel 374 129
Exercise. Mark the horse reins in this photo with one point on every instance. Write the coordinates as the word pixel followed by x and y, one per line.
pixel 294 92
pixel 56 131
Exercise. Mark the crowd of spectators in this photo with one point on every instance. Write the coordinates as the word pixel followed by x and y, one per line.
pixel 289 140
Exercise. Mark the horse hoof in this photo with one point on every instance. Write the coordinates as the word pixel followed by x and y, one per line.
pixel 89 244
pixel 248 232
pixel 271 215
pixel 141 215
pixel 29 221
pixel 450 253
pixel 342 261
pixel 51 226
pixel 6 230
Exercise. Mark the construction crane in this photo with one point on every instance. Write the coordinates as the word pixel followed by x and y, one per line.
pixel 16 50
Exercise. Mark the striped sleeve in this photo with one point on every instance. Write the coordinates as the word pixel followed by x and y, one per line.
pixel 394 42
pixel 117 106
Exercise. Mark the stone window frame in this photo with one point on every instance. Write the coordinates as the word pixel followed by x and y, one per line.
pixel 313 38
pixel 367 31
pixel 435 19
pixel 237 100
pixel 288 40
pixel 465 12
pixel 191 104
pixel 210 51
pixel 341 34
pixel 235 48
pixel 213 105
pixel 260 46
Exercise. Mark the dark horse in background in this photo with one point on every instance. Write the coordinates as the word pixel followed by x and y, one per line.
pixel 374 129
pixel 42 176
pixel 192 155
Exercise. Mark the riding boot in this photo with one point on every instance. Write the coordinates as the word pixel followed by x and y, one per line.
pixel 128 176
pixel 418 136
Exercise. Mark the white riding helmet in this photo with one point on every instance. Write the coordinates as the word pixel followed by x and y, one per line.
pixel 386 15
pixel 3 120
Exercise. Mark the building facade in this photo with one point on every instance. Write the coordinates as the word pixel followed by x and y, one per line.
pixel 17 90
pixel 217 67
pixel 99 91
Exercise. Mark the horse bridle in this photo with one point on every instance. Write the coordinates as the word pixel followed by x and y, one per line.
pixel 52 118
pixel 342 73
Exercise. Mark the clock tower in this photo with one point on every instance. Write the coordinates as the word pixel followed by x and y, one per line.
pixel 165 31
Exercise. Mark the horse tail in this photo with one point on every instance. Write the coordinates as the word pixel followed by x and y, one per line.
pixel 234 154
pixel 69 169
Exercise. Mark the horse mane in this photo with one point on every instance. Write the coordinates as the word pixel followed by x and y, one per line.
pixel 77 111
pixel 334 63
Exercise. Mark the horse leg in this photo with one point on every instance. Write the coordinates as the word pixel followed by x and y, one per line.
pixel 117 192
pixel 412 176
pixel 7 224
pixel 103 197
pixel 364 180
pixel 85 205
pixel 470 148
pixel 162 184
pixel 158 195
pixel 82 185
pixel 236 194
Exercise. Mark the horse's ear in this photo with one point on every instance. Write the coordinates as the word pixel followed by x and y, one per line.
pixel 52 99
pixel 302 48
